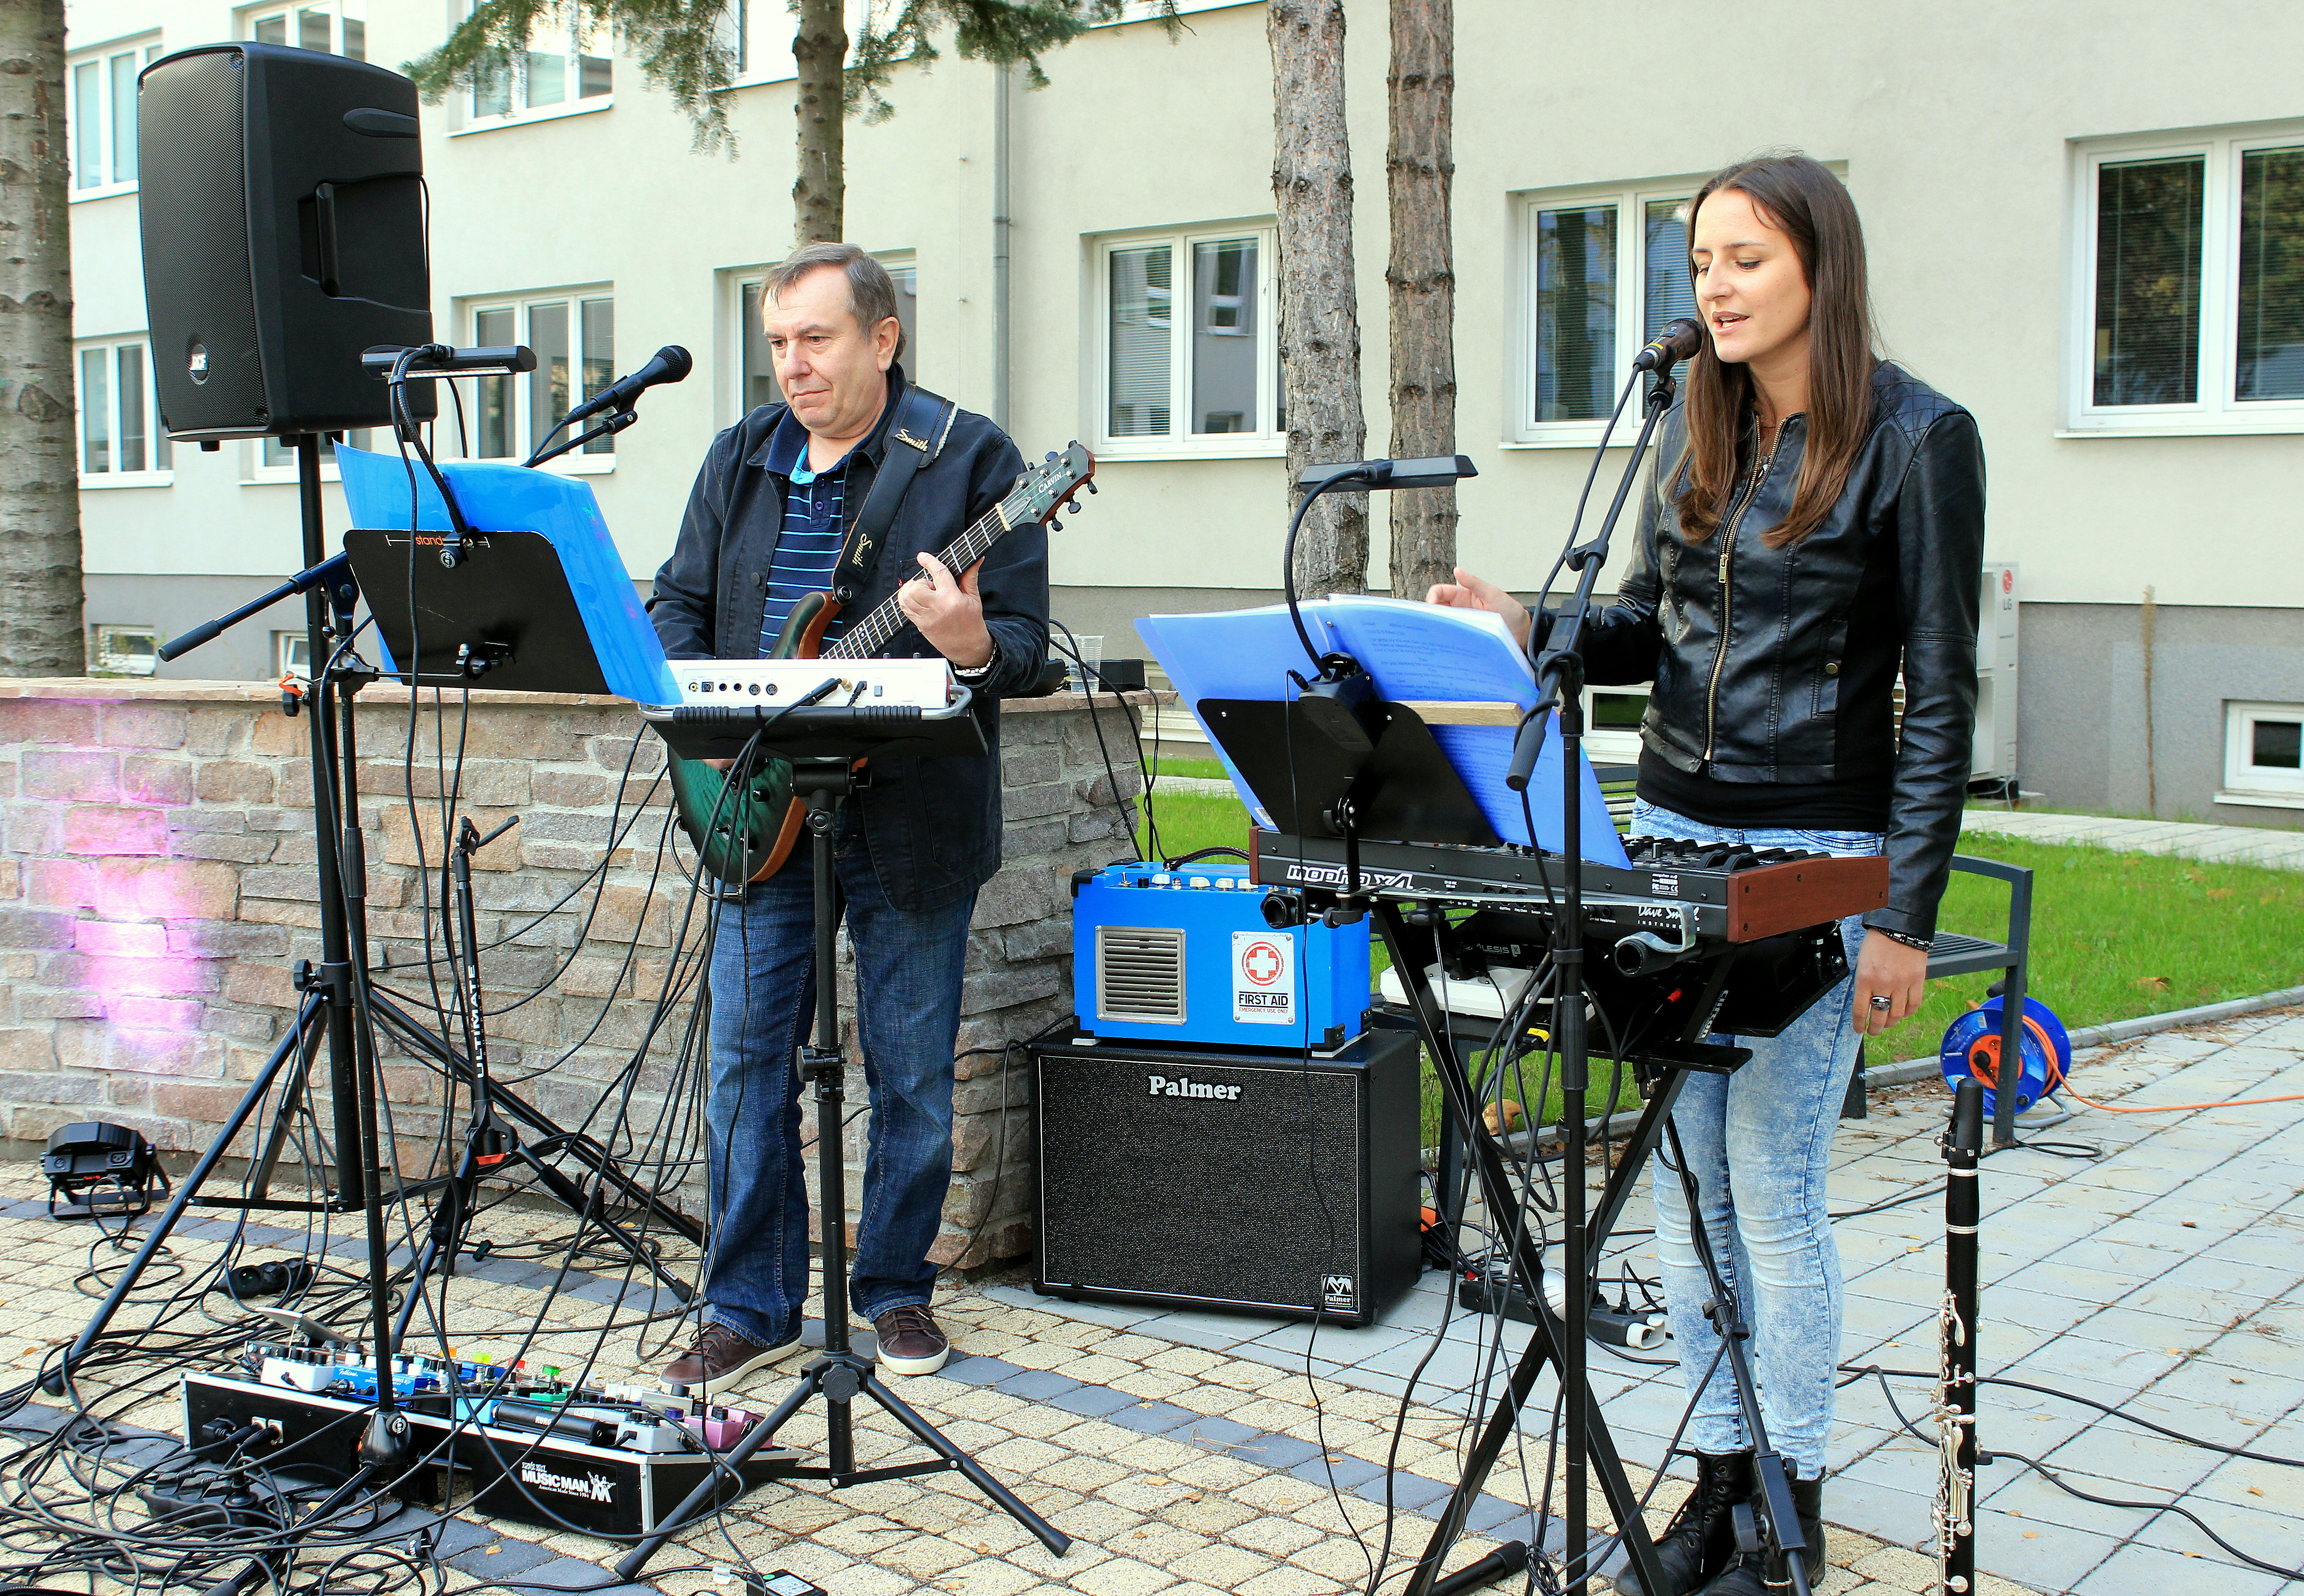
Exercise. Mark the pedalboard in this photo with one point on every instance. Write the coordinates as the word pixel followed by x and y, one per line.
pixel 538 1450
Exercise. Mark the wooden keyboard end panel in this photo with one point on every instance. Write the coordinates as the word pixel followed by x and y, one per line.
pixel 1774 898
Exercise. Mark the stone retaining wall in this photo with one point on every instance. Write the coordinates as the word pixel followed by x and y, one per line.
pixel 158 882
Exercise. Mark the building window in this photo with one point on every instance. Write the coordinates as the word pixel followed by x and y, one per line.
pixel 275 459
pixel 2190 310
pixel 101 109
pixel 339 27
pixel 1190 345
pixel 1583 314
pixel 123 650
pixel 121 442
pixel 292 655
pixel 755 367
pixel 574 337
pixel 2263 754
pixel 566 67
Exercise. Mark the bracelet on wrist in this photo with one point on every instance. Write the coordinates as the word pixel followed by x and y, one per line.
pixel 1923 943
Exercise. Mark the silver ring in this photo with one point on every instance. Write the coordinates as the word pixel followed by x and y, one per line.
pixel 1880 1000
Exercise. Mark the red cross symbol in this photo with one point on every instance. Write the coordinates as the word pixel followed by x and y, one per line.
pixel 1261 963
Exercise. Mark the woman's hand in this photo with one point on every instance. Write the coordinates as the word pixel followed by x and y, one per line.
pixel 1468 592
pixel 1888 969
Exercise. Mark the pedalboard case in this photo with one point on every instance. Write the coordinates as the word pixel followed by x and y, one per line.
pixel 603 1490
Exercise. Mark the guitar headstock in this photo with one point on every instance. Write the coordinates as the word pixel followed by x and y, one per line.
pixel 1043 489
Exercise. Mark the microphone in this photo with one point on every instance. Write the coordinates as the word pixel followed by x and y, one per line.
pixel 1678 340
pixel 672 363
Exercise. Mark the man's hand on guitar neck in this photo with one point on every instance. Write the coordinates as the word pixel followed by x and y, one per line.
pixel 948 612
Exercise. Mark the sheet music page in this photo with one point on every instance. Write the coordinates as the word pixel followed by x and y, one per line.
pixel 1418 651
pixel 1233 653
pixel 1422 651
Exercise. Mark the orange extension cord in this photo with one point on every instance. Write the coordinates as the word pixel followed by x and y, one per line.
pixel 1984 1064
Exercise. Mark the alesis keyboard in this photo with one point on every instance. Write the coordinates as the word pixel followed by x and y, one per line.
pixel 1700 892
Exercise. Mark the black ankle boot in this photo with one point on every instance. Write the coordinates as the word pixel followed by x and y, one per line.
pixel 1698 1541
pixel 1756 1573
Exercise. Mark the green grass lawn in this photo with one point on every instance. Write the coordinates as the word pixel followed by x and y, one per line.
pixel 1176 764
pixel 2114 934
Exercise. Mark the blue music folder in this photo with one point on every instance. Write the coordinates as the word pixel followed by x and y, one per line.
pixel 496 496
pixel 1412 651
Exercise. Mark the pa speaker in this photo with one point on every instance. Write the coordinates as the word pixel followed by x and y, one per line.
pixel 1209 1178
pixel 282 207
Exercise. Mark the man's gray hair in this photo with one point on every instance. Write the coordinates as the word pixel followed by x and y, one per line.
pixel 871 291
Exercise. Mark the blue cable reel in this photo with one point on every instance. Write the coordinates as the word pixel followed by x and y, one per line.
pixel 1971 1048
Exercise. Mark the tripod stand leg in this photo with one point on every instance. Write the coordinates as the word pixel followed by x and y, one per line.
pixel 590 1206
pixel 1051 1537
pixel 170 1217
pixel 707 1493
pixel 405 1026
pixel 291 1101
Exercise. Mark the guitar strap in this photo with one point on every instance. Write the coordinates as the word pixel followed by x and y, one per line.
pixel 916 435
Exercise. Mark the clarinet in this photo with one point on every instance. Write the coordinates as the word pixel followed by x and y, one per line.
pixel 1955 1392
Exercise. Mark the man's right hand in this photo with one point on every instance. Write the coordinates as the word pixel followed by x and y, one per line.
pixel 1468 592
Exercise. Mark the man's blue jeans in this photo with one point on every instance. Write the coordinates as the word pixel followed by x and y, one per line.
pixel 1759 1141
pixel 908 978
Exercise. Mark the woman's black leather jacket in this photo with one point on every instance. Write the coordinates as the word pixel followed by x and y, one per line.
pixel 1780 665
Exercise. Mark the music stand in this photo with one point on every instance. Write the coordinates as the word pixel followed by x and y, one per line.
pixel 825 743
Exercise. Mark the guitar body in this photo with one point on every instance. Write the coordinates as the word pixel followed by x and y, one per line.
pixel 745 831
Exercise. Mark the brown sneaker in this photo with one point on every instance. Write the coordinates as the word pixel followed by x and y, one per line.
pixel 910 1341
pixel 720 1359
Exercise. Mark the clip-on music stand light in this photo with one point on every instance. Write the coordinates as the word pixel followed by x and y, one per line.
pixel 824 743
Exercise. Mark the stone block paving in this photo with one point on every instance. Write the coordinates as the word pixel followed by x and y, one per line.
pixel 2184 839
pixel 1189 1454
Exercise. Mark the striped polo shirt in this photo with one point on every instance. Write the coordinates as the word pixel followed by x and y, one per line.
pixel 808 546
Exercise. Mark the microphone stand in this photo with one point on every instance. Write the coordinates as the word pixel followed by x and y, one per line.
pixel 608 428
pixel 1562 667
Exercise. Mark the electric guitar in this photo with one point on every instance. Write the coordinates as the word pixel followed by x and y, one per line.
pixel 745 831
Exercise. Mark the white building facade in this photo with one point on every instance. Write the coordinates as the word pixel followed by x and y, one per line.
pixel 2085 226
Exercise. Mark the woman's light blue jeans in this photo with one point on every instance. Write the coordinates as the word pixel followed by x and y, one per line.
pixel 1759 1142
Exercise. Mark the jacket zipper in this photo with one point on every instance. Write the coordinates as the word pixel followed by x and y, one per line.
pixel 1727 548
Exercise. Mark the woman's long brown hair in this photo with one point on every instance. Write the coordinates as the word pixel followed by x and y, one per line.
pixel 1811 207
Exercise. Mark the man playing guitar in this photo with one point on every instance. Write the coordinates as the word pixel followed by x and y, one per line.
pixel 783 507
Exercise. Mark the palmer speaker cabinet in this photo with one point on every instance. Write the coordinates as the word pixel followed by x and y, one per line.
pixel 1212 1178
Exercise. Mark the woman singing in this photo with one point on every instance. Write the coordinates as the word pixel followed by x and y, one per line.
pixel 1814 523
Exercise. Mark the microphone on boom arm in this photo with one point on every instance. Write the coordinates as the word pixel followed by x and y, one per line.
pixel 1677 340
pixel 671 364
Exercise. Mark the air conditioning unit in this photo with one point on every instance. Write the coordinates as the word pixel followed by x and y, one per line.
pixel 1994 754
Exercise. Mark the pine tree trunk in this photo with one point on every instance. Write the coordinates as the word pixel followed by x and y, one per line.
pixel 1420 169
pixel 820 191
pixel 1319 302
pixel 40 599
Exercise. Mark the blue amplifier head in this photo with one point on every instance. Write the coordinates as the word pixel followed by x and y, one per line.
pixel 1184 955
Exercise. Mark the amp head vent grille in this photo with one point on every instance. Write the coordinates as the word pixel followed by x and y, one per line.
pixel 1139 973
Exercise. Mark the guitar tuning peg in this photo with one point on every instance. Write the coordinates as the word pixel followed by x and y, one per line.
pixel 1073 507
pixel 1054 524
pixel 1052 456
pixel 1091 487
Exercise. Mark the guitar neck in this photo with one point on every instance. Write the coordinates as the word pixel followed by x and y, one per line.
pixel 868 637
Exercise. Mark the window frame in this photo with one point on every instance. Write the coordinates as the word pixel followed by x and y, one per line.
pixel 1632 200
pixel 467 313
pixel 729 392
pixel 2245 782
pixel 146 48
pixel 97 653
pixel 156 439
pixel 255 472
pixel 248 16
pixel 472 120
pixel 1270 442
pixel 2217 413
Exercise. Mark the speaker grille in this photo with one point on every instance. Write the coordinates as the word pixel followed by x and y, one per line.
pixel 1250 1197
pixel 1139 973
pixel 192 200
